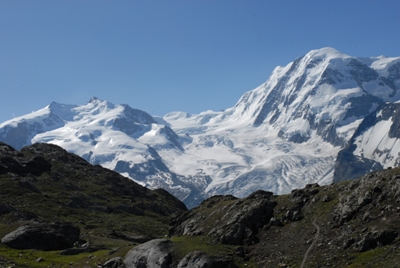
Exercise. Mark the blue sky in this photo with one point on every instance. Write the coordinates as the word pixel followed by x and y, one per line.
pixel 163 56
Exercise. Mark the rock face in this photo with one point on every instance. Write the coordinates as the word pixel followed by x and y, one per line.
pixel 234 223
pixel 55 236
pixel 374 145
pixel 153 254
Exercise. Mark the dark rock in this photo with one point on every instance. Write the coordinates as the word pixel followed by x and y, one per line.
pixel 240 218
pixel 155 253
pixel 348 243
pixel 302 196
pixel 294 214
pixel 377 238
pixel 240 252
pixel 197 259
pixel 276 222
pixel 5 209
pixel 37 165
pixel 326 198
pixel 42 236
pixel 385 237
pixel 365 244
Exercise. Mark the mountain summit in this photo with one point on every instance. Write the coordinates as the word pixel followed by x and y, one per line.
pixel 282 135
pixel 319 92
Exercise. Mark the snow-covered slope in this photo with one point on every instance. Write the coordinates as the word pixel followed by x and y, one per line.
pixel 374 145
pixel 282 135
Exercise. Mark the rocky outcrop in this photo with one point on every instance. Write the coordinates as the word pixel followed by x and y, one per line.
pixel 153 254
pixel 41 236
pixel 300 198
pixel 361 197
pixel 375 239
pixel 226 219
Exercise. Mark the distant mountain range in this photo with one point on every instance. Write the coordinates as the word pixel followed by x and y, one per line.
pixel 324 117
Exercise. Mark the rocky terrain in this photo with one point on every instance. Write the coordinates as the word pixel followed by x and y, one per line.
pixel 54 200
pixel 57 210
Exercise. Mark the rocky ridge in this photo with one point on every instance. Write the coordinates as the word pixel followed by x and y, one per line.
pixel 52 200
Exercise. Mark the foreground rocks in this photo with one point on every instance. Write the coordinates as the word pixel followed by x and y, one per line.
pixel 226 219
pixel 42 236
pixel 197 259
pixel 152 254
pixel 158 253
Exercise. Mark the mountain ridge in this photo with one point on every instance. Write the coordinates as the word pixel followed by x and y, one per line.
pixel 282 135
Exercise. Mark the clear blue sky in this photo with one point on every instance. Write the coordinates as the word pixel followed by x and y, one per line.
pixel 162 56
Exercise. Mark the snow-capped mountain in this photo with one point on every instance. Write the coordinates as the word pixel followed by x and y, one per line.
pixel 288 131
pixel 374 145
pixel 116 136
pixel 282 135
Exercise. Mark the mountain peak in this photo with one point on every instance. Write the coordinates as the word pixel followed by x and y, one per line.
pixel 322 56
pixel 326 52
pixel 93 99
pixel 96 102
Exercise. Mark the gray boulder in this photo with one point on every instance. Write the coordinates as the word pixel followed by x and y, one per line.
pixel 43 236
pixel 197 259
pixel 153 254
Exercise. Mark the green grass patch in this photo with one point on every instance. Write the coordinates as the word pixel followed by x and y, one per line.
pixel 376 258
pixel 183 245
pixel 38 258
